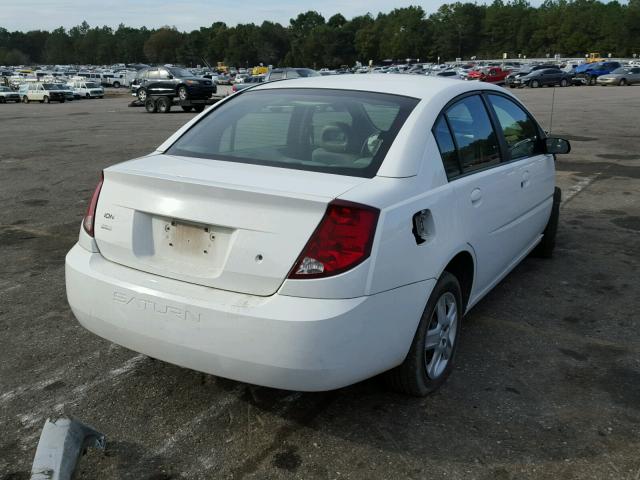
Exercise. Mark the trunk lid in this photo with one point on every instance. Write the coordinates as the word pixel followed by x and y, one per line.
pixel 226 225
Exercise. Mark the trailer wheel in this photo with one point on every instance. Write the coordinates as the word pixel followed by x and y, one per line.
pixel 164 105
pixel 198 108
pixel 187 108
pixel 150 105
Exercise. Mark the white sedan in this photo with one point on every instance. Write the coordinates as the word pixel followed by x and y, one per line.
pixel 310 234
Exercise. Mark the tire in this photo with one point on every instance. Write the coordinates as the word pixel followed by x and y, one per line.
pixel 46 99
pixel 564 83
pixel 591 81
pixel 546 246
pixel 150 105
pixel 622 82
pixel 187 109
pixel 164 105
pixel 422 372
pixel 3 100
pixel 534 83
pixel 25 99
pixel 183 93
pixel 198 108
pixel 62 101
pixel 116 84
pixel 87 96
pixel 142 95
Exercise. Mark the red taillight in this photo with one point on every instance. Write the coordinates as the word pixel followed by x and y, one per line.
pixel 341 241
pixel 90 217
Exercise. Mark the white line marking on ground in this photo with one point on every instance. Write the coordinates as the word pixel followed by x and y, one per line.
pixel 580 186
pixel 127 367
pixel 188 428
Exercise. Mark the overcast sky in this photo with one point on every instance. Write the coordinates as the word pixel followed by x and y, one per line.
pixel 185 15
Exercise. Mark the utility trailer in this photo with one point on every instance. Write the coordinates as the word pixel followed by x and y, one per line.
pixel 163 103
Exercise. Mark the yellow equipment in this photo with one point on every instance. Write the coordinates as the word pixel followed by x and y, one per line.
pixel 594 57
pixel 259 70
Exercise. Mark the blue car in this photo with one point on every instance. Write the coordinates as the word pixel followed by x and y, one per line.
pixel 588 73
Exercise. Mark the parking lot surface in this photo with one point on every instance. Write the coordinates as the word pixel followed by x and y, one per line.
pixel 547 381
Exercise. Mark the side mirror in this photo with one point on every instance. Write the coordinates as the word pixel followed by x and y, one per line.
pixel 170 77
pixel 556 145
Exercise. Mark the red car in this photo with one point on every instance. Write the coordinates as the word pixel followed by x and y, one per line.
pixel 489 74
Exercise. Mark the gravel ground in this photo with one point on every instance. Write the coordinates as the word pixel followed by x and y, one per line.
pixel 547 382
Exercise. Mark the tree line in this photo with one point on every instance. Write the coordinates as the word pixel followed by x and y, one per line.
pixel 566 27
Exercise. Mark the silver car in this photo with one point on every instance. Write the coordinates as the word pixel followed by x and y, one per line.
pixel 621 76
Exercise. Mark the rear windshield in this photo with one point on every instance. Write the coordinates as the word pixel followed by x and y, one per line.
pixel 334 131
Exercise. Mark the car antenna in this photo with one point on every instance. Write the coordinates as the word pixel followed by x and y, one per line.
pixel 553 102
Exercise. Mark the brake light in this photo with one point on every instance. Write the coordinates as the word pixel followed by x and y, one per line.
pixel 341 241
pixel 90 217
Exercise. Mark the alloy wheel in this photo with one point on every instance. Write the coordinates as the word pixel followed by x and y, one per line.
pixel 441 336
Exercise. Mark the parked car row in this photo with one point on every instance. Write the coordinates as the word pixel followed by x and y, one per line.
pixel 47 92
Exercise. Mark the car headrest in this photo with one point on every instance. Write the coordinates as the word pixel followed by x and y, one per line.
pixel 335 137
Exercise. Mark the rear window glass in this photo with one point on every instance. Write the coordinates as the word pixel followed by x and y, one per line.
pixel 334 131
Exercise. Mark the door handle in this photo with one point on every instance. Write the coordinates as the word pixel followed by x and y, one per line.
pixel 476 196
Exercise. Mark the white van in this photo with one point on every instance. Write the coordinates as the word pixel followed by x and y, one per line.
pixel 86 89
pixel 41 92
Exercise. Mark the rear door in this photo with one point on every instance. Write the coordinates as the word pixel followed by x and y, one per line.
pixel 38 92
pixel 486 189
pixel 151 81
pixel 550 76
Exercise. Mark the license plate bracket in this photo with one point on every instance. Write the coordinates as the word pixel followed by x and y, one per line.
pixel 188 238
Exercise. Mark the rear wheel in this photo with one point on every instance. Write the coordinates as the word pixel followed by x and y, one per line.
pixel 116 84
pixel 591 81
pixel 548 243
pixel 87 96
pixel 164 105
pixel 430 358
pixel 150 105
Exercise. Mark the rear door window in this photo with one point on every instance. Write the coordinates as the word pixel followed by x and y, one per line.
pixel 476 141
pixel 447 148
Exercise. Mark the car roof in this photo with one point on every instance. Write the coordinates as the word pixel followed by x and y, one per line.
pixel 416 86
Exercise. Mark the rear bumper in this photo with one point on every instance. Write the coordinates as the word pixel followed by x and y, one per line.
pixel 279 341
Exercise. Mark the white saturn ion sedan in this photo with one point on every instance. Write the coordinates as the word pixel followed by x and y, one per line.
pixel 312 233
